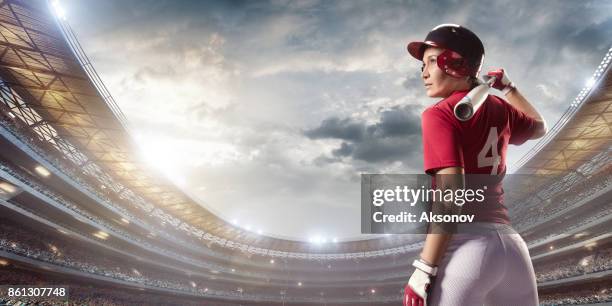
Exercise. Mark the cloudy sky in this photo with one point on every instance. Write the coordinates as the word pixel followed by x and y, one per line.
pixel 268 111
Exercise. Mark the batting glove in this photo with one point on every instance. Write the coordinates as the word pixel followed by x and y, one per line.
pixel 415 292
pixel 502 81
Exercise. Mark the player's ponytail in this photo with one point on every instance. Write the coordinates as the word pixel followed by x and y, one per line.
pixel 473 81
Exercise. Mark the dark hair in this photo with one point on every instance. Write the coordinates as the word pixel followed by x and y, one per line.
pixel 473 81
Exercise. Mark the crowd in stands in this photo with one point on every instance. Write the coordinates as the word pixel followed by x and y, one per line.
pixel 560 229
pixel 45 248
pixel 107 227
pixel 161 223
pixel 85 176
pixel 575 297
pixel 597 261
pixel 536 210
pixel 34 183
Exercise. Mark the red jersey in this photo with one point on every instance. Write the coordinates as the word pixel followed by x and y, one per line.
pixel 478 145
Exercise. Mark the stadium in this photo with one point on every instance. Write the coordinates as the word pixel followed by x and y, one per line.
pixel 79 209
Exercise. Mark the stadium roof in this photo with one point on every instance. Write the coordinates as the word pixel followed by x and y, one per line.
pixel 60 85
pixel 583 131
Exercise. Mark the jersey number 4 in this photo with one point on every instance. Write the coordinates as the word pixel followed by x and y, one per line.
pixel 490 146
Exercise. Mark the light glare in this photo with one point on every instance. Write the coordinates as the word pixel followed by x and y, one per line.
pixel 58 10
pixel 42 171
pixel 590 82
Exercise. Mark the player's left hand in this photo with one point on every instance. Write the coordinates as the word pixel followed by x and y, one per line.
pixel 502 80
pixel 415 292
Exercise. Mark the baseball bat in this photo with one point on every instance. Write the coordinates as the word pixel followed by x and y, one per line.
pixel 469 105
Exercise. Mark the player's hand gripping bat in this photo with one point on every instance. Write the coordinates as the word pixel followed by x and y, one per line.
pixel 469 105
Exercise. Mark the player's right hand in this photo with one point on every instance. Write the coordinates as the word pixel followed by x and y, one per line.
pixel 415 292
pixel 502 81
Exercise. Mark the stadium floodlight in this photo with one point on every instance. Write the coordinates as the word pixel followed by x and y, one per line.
pixel 233 270
pixel 101 234
pixel 7 189
pixel 590 82
pixel 315 239
pixel 580 235
pixel 299 284
pixel 373 291
pixel 42 171
pixel 552 247
pixel 585 261
pixel 3 262
pixel 58 10
pixel 272 261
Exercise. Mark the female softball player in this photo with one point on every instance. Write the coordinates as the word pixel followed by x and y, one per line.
pixel 491 267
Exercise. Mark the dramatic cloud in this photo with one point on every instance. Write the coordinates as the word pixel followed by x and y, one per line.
pixel 268 111
pixel 395 138
pixel 343 129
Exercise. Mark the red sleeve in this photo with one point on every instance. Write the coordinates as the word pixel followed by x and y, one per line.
pixel 441 142
pixel 522 126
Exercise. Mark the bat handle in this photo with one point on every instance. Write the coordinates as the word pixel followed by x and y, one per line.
pixel 489 80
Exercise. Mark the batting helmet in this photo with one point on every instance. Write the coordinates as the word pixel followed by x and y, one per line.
pixel 464 52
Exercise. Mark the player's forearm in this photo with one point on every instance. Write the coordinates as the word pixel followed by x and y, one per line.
pixel 439 234
pixel 516 99
pixel 435 247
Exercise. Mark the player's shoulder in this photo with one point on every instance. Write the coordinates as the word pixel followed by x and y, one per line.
pixel 445 107
pixel 498 103
pixel 497 100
